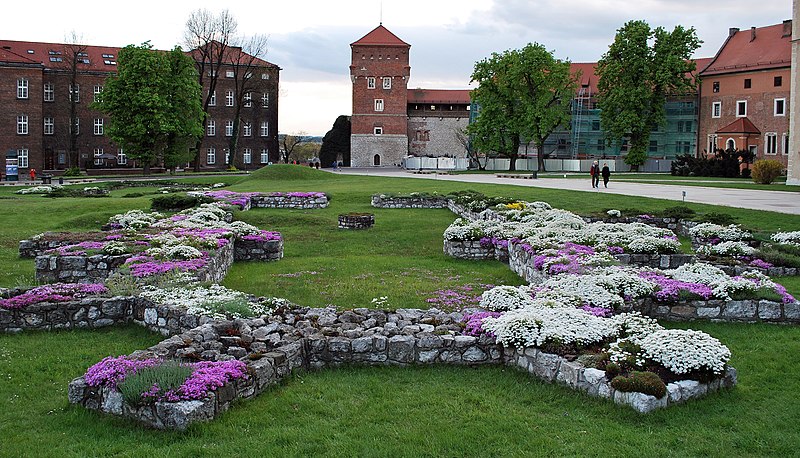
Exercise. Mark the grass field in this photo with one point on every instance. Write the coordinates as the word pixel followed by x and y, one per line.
pixel 350 411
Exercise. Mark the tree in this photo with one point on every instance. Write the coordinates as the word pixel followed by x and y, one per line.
pixel 307 151
pixel 244 58
pixel 473 154
pixel 208 37
pixel 73 54
pixel 153 104
pixel 522 95
pixel 289 143
pixel 640 69
pixel 336 143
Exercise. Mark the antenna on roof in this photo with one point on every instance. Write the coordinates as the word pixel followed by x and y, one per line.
pixel 380 19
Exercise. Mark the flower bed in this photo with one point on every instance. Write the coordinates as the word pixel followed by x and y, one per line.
pixel 294 200
pixel 413 200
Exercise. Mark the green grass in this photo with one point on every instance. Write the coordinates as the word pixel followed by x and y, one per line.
pixel 411 411
pixel 665 178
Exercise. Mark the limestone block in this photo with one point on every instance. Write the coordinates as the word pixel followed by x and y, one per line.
pixel 401 349
pixel 691 389
pixel 427 356
pixel 465 341
pixel 674 393
pixel 644 403
pixel 339 345
pixel 569 373
pixel 362 344
pixel 546 366
pixel 428 341
pixel 76 392
pixel 708 312
pixel 739 309
pixel 179 415
pixel 474 355
pixel 768 310
pixel 112 401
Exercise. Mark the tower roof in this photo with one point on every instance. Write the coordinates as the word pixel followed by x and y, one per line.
pixel 740 126
pixel 380 36
pixel 756 49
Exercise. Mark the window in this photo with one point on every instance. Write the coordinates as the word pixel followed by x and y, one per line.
pixel 22 88
pixel 716 109
pixel 712 144
pixel 595 124
pixel 248 100
pixel 264 100
pixel 715 86
pixel 247 155
pixel 730 145
pixel 370 82
pixel 422 135
pixel 377 131
pixel 49 126
pixel 77 127
pixel 62 157
pixel 685 126
pixel 265 76
pixel 228 73
pixel 97 159
pixel 741 108
pixel 211 155
pixel 22 125
pixel 98 126
pixel 378 104
pixel 22 157
pixel 778 81
pixel 75 93
pixel 771 143
pixel 601 145
pixel 122 158
pixel 682 147
pixel 211 128
pixel 212 102
pixel 653 148
pixel 785 144
pixel 780 107
pixel 264 156
pixel 226 154
pixel 49 92
pixel 387 82
pixel 264 128
pixel 247 129
pixel 748 83
pixel 229 128
pixel 229 98
pixel 97 90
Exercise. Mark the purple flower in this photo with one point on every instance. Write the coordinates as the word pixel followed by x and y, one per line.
pixel 56 292
pixel 474 323
pixel 596 311
pixel 113 370
pixel 263 236
pixel 615 250
pixel 760 263
pixel 669 289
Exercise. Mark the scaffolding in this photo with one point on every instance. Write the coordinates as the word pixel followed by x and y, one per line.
pixel 584 97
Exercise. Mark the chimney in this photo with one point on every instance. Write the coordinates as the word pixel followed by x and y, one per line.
pixel 787 28
pixel 732 31
pixel 752 34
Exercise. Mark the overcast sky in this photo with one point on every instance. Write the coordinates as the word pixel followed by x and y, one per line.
pixel 310 39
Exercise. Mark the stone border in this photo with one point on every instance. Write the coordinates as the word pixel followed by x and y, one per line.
pixel 356 221
pixel 266 201
pixel 382 201
pixel 747 311
pixel 272 346
pixel 473 249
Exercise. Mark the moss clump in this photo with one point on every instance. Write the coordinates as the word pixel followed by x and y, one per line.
pixel 642 382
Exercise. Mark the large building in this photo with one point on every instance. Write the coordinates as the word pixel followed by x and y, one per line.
pixel 38 87
pixel 391 121
pixel 745 93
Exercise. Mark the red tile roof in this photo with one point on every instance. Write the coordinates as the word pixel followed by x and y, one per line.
pixel 456 96
pixel 101 58
pixel 380 36
pixel 741 52
pixel 740 126
pixel 589 78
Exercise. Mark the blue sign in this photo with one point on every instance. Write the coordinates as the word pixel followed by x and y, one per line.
pixel 12 172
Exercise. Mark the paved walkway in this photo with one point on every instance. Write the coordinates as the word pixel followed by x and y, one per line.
pixel 777 201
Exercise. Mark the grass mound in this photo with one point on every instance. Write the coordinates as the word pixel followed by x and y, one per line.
pixel 289 172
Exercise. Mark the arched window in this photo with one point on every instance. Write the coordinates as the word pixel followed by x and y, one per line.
pixel 376 160
pixel 730 144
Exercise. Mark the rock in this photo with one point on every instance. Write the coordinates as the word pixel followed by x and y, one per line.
pixel 427 356
pixel 674 393
pixel 474 355
pixel 644 403
pixel 77 390
pixel 768 310
pixel 546 366
pixel 401 349
pixel 428 341
pixel 569 373
pixel 465 341
pixel 179 415
pixel 150 316
pixel 112 401
pixel 338 345
pixel 362 344
pixel 740 309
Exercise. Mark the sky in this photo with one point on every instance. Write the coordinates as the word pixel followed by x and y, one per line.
pixel 310 40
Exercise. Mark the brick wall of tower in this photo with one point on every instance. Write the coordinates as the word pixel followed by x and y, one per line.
pixel 379 62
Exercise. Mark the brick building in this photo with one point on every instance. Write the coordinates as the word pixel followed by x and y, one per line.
pixel 38 86
pixel 391 121
pixel 745 93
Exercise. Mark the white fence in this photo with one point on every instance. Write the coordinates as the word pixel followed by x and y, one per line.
pixel 525 164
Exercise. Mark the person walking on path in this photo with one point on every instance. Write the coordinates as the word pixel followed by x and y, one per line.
pixel 606 172
pixel 594 171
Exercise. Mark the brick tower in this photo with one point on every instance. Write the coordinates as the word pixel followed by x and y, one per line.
pixel 379 71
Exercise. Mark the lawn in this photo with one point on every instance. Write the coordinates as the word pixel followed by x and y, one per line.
pixel 351 411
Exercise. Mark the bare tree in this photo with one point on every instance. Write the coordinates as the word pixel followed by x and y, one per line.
pixel 74 53
pixel 473 154
pixel 246 62
pixel 207 37
pixel 289 144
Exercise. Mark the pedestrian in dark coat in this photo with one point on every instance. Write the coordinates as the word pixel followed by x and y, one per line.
pixel 606 172
pixel 594 171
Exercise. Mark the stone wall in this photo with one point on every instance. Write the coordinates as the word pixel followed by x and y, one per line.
pixel 37 246
pixel 254 250
pixel 94 312
pixel 77 269
pixel 272 346
pixel 381 201
pixel 473 249
pixel 659 261
pixel 749 311
pixel 267 201
pixel 391 148
pixel 219 262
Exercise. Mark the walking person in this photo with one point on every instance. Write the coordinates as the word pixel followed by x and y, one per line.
pixel 606 172
pixel 594 171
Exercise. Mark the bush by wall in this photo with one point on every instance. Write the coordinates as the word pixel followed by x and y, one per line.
pixel 766 171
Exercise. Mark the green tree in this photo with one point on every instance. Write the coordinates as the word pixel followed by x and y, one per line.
pixel 523 95
pixel 638 72
pixel 336 143
pixel 154 105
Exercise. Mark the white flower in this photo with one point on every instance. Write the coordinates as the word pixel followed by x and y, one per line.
pixel 504 298
pixel 728 248
pixel 614 213
pixel 135 219
pixel 790 238
pixel 537 326
pixel 725 233
pixel 182 252
pixel 683 351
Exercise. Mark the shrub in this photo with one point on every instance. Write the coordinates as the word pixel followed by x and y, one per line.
pixel 133 195
pixel 766 171
pixel 723 219
pixel 777 256
pixel 176 202
pixel 72 172
pixel 150 383
pixel 642 382
pixel 678 212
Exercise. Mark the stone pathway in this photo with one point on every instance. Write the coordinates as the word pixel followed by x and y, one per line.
pixel 776 201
